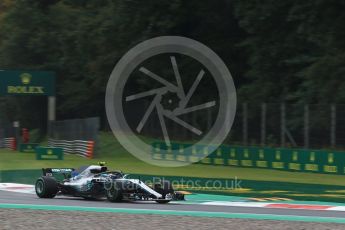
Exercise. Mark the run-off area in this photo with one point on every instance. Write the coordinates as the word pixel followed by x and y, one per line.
pixel 37 219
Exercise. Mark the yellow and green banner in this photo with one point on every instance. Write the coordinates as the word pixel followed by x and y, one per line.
pixel 28 148
pixel 299 160
pixel 47 153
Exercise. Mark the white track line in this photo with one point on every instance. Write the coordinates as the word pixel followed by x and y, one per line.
pixel 20 188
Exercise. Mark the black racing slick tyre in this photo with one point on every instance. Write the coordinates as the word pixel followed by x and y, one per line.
pixel 114 192
pixel 164 189
pixel 46 187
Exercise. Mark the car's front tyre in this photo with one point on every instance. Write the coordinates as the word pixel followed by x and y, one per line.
pixel 165 188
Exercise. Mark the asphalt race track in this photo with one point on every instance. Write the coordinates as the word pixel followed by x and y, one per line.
pixel 31 199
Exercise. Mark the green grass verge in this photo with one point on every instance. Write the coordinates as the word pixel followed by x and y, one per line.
pixel 16 161
pixel 256 182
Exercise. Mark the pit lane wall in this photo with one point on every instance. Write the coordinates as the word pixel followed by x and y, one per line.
pixel 299 160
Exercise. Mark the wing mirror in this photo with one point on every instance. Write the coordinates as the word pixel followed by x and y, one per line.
pixel 125 176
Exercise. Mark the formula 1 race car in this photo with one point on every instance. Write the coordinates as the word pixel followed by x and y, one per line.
pixel 96 182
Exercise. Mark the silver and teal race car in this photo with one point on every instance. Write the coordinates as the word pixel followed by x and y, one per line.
pixel 97 182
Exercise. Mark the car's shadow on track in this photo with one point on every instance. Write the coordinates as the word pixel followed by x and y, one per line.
pixel 106 201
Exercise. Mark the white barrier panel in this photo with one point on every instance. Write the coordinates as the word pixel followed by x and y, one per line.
pixel 79 147
pixel 9 143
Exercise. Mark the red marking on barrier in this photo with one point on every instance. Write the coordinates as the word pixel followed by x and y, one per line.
pixel 14 144
pixel 90 149
pixel 15 188
pixel 25 135
pixel 299 206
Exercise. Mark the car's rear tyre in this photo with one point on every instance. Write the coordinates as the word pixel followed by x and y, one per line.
pixel 46 187
pixel 114 192
pixel 164 189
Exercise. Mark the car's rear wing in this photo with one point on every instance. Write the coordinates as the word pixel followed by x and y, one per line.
pixel 66 172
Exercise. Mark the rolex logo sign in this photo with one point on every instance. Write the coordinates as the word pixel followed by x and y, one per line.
pixel 24 86
pixel 26 78
pixel 27 83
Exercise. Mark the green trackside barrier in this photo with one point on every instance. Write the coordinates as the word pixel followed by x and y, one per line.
pixel 183 153
pixel 28 148
pixel 20 176
pixel 46 153
pixel 299 160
